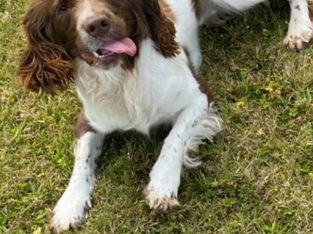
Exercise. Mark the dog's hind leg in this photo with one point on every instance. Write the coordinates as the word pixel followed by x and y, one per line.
pixel 300 30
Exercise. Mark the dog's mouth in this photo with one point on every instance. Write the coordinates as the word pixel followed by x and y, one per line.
pixel 110 51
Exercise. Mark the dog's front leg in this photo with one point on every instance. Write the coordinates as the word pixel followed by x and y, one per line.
pixel 195 123
pixel 72 207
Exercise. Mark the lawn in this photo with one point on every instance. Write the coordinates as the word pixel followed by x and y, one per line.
pixel 257 177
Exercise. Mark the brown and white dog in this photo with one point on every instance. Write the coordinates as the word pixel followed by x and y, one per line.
pixel 134 63
pixel 300 30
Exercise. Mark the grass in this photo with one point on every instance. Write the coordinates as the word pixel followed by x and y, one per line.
pixel 257 177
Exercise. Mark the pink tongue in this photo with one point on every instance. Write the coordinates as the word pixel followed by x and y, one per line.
pixel 124 46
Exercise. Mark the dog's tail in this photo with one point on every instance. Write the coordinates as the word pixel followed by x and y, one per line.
pixel 218 11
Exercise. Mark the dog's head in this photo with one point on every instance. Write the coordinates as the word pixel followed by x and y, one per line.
pixel 103 33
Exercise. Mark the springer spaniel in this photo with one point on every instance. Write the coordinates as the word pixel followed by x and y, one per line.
pixel 300 30
pixel 134 63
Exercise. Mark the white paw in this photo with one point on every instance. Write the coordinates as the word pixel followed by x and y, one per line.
pixel 299 35
pixel 161 202
pixel 71 210
pixel 162 194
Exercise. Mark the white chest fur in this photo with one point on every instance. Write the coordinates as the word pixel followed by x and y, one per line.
pixel 156 90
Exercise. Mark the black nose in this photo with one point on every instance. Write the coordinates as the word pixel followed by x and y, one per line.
pixel 97 26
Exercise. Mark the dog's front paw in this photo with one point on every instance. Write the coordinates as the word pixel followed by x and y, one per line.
pixel 299 35
pixel 70 211
pixel 161 197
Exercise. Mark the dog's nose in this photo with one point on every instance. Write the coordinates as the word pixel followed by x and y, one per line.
pixel 97 26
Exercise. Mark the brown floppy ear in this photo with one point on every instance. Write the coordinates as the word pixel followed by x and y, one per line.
pixel 45 64
pixel 162 29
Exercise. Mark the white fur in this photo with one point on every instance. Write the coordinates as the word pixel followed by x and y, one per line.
pixel 136 99
pixel 235 5
pixel 213 10
pixel 300 28
pixel 71 208
pixel 195 123
pixel 158 90
pixel 187 30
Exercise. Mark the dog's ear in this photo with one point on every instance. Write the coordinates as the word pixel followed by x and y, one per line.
pixel 45 64
pixel 162 29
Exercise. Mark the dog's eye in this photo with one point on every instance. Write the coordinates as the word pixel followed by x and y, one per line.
pixel 62 8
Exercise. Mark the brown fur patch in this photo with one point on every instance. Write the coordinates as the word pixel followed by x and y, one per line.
pixel 82 125
pixel 45 67
pixel 310 4
pixel 203 85
pixel 162 29
pixel 45 64
pixel 196 7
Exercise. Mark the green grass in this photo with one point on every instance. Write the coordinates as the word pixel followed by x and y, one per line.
pixel 257 177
